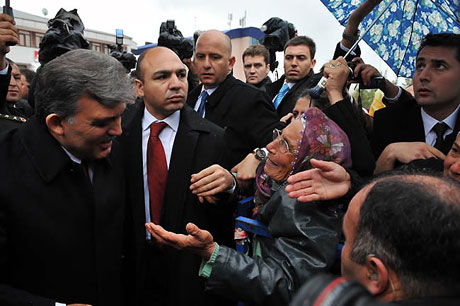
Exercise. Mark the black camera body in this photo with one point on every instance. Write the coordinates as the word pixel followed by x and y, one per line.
pixel 376 82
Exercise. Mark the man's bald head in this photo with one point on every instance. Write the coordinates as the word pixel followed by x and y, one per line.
pixel 161 81
pixel 213 61
pixel 218 37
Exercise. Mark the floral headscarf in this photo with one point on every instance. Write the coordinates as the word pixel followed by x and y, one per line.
pixel 321 139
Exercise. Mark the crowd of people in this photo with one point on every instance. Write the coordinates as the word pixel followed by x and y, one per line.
pixel 122 189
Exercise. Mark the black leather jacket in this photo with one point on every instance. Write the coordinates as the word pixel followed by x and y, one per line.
pixel 304 241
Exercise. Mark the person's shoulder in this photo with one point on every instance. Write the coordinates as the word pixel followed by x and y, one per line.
pixel 190 117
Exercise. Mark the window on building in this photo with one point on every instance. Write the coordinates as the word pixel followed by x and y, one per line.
pixel 96 47
pixel 38 40
pixel 24 38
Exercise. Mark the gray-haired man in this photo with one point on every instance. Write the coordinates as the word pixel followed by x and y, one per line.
pixel 62 190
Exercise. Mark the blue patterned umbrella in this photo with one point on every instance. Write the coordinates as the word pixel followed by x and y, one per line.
pixel 396 36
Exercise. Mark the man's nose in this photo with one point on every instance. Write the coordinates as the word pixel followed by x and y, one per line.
pixel 115 127
pixel 175 82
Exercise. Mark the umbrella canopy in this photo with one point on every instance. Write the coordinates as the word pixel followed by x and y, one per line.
pixel 396 36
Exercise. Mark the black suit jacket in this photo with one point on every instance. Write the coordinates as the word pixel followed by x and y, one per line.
pixel 402 122
pixel 60 236
pixel 287 104
pixel 245 113
pixel 198 144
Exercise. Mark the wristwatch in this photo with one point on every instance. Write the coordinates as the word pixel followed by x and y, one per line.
pixel 260 153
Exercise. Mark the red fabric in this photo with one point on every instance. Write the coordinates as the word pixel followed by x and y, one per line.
pixel 157 171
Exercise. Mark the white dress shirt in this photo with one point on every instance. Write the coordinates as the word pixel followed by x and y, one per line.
pixel 198 102
pixel 167 137
pixel 429 122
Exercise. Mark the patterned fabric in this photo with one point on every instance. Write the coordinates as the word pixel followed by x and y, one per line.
pixel 397 34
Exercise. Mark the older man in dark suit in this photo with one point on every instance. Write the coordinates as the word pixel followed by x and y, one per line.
pixel 171 160
pixel 243 111
pixel 62 188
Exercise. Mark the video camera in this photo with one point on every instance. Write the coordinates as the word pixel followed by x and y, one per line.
pixel 277 33
pixel 170 37
pixel 330 290
pixel 128 60
pixel 376 82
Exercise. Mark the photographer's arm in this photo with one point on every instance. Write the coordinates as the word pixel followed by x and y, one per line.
pixel 367 72
pixel 350 34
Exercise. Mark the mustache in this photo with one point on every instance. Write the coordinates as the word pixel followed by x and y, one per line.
pixel 178 92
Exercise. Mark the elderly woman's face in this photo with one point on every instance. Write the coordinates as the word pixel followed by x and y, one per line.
pixel 279 161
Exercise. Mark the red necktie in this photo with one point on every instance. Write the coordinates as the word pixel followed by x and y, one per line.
pixel 157 171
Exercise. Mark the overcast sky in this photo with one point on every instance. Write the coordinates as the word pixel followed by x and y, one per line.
pixel 141 19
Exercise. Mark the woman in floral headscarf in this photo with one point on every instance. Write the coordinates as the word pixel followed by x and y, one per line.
pixel 317 137
pixel 302 238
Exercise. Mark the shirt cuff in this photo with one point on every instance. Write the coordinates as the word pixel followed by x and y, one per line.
pixel 346 49
pixel 4 72
pixel 57 304
pixel 395 98
pixel 232 189
pixel 206 266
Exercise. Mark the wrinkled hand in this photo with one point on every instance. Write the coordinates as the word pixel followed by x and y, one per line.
pixel 246 169
pixel 287 118
pixel 336 72
pixel 326 181
pixel 197 241
pixel 211 181
pixel 405 152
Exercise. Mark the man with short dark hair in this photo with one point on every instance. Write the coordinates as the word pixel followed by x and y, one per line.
pixel 427 125
pixel 16 104
pixel 27 76
pixel 62 188
pixel 402 240
pixel 299 60
pixel 256 64
pixel 243 111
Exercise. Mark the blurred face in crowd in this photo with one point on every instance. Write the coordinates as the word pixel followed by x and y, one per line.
pixel 89 133
pixel 255 68
pixel 452 161
pixel 14 89
pixel 25 87
pixel 164 82
pixel 297 62
pixel 281 151
pixel 213 60
pixel 436 80
pixel 301 106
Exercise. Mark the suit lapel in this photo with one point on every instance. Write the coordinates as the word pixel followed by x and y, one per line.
pixel 180 168
pixel 132 146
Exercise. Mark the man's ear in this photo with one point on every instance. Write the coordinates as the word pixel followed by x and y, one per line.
pixel 54 124
pixel 377 276
pixel 231 63
pixel 139 88
pixel 313 63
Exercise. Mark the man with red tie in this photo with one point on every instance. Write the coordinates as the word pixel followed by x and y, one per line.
pixel 172 157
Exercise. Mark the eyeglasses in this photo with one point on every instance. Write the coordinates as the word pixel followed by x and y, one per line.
pixel 282 143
